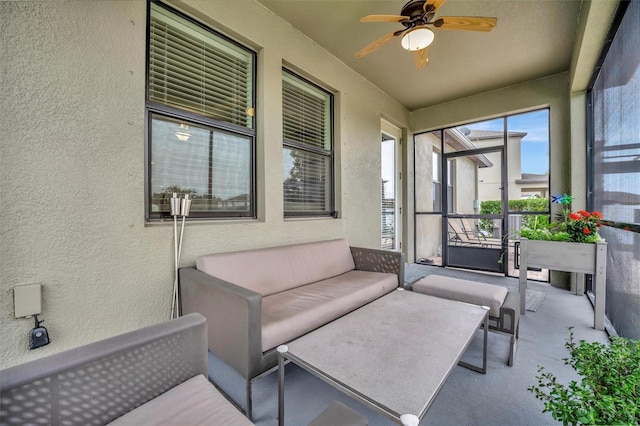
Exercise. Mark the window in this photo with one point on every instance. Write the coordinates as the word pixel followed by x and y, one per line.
pixel 200 108
pixel 437 186
pixel 451 201
pixel 307 112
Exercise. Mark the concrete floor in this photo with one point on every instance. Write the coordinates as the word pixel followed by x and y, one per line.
pixel 467 398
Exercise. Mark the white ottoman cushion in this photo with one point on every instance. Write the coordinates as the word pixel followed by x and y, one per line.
pixel 464 291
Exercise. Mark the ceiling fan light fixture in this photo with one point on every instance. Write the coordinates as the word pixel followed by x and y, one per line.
pixel 417 39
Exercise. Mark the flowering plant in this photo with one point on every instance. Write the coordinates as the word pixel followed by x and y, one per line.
pixel 583 226
pixel 578 227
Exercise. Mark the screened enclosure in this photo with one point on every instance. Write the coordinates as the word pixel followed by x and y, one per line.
pixel 615 162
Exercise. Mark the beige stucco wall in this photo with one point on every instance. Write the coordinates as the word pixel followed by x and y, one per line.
pixel 424 144
pixel 578 150
pixel 490 178
pixel 464 188
pixel 73 160
pixel 427 227
pixel 428 231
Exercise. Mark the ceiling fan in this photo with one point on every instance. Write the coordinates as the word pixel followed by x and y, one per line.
pixel 417 16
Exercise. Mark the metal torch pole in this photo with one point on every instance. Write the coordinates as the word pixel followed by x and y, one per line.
pixel 185 206
pixel 175 211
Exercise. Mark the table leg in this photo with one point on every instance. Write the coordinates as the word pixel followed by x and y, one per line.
pixel 282 349
pixel 484 344
pixel 485 325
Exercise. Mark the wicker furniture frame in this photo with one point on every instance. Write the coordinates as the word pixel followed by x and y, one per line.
pixel 99 382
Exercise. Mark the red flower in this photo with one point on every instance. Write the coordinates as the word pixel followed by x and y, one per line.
pixel 586 230
pixel 584 213
pixel 575 216
pixel 597 215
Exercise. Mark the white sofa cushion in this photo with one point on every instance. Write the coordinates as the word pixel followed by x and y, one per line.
pixel 194 402
pixel 473 292
pixel 290 314
pixel 275 269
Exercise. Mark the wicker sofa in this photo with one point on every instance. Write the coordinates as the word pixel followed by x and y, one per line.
pixel 152 376
pixel 255 300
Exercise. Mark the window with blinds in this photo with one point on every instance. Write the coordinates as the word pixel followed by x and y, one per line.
pixel 200 103
pixel 307 147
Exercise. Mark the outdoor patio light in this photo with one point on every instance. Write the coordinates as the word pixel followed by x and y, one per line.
pixel 417 39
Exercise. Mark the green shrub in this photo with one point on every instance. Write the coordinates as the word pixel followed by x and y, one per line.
pixel 524 205
pixel 609 391
pixel 535 221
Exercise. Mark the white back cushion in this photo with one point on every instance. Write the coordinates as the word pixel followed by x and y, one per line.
pixel 272 270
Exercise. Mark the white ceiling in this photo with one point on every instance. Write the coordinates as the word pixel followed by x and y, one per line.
pixel 533 39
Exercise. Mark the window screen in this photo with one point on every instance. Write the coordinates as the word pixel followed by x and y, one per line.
pixel 615 114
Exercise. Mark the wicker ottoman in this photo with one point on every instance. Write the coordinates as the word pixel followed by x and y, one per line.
pixel 504 312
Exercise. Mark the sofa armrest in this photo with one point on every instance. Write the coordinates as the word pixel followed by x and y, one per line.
pixel 101 381
pixel 379 261
pixel 234 318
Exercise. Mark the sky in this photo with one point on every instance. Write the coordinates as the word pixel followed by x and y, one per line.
pixel 388 167
pixel 535 145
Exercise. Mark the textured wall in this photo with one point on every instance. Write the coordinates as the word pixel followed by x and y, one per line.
pixel 72 164
pixel 464 178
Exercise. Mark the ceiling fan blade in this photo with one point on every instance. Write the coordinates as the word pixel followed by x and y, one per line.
pixel 469 23
pixel 384 18
pixel 436 4
pixel 375 45
pixel 421 58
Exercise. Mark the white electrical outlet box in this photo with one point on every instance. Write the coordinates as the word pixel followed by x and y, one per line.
pixel 27 300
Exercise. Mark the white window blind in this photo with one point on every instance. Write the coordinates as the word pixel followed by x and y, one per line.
pixel 192 69
pixel 307 148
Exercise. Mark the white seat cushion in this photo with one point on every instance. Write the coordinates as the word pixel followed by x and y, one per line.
pixel 194 402
pixel 292 313
pixel 476 293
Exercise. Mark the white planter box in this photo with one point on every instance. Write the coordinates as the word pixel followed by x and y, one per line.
pixel 581 258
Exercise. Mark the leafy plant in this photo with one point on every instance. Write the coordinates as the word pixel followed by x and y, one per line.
pixel 609 391
pixel 577 227
pixel 523 205
pixel 580 227
pixel 535 221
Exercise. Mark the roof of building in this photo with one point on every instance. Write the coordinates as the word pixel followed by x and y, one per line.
pixel 492 134
pixel 460 142
pixel 533 178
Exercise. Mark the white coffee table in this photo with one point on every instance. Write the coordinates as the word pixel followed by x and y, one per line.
pixel 393 354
